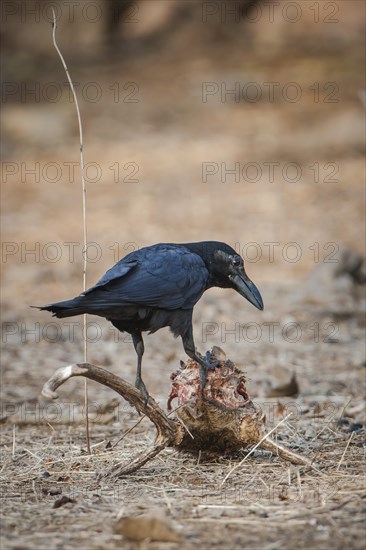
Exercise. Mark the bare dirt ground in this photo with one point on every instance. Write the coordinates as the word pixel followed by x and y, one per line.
pixel 295 204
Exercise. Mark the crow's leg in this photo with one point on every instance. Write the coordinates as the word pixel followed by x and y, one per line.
pixel 204 364
pixel 139 347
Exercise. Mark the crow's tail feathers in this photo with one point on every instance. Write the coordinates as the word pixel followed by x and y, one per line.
pixel 68 308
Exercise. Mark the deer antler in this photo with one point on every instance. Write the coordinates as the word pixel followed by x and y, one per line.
pixel 210 424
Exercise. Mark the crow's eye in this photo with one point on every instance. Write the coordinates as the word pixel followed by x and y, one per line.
pixel 236 261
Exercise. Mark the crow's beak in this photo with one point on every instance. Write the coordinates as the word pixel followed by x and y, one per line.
pixel 248 290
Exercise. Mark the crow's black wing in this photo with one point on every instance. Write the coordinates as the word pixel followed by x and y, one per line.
pixel 164 276
pixel 119 270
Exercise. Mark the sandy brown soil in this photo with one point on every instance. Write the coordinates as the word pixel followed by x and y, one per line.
pixel 291 234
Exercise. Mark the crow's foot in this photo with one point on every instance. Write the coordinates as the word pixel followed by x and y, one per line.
pixel 211 365
pixel 141 386
pixel 204 366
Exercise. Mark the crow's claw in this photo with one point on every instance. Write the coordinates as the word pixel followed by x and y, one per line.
pixel 204 366
pixel 211 365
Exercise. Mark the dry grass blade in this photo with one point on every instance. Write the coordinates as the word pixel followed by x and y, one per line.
pixel 345 450
pixel 270 445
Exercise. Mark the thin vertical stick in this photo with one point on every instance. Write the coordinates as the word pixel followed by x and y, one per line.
pixel 83 185
pixel 13 451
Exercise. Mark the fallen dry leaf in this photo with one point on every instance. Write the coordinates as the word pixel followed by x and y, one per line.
pixel 62 501
pixel 282 382
pixel 152 527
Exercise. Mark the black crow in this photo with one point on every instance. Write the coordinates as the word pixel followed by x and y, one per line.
pixel 158 286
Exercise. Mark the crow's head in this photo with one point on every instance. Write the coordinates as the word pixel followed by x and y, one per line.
pixel 226 268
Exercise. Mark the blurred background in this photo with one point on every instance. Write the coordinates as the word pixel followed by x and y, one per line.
pixel 203 120
pixel 234 121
